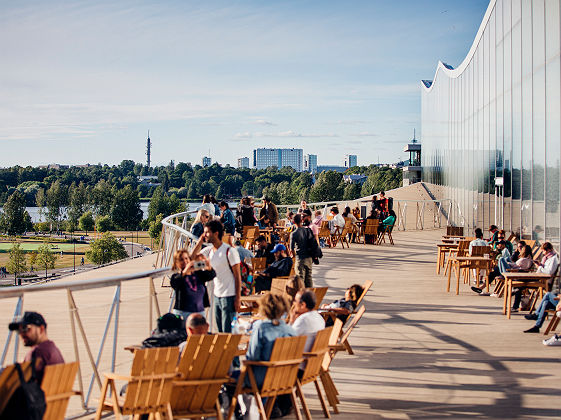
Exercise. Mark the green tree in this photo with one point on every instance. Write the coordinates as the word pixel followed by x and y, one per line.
pixel 78 203
pixel 125 212
pixel 45 257
pixel 32 260
pixel 351 192
pixel 106 249
pixel 14 221
pixel 16 263
pixel 155 228
pixel 86 222
pixel 327 187
pixel 102 198
pixel 40 200
pixel 103 223
pixel 56 200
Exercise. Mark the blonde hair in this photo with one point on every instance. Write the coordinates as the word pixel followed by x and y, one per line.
pixel 199 215
pixel 177 257
pixel 273 306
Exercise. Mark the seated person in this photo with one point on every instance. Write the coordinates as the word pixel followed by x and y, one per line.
pixel 501 247
pixel 288 220
pixel 523 262
pixel 202 217
pixel 549 301
pixel 336 224
pixel 516 254
pixel 196 324
pixel 245 254
pixel 318 218
pixel 388 221
pixel 478 241
pixel 264 249
pixel 295 284
pixel 169 332
pixel 264 222
pixel 494 231
pixel 501 236
pixel 344 307
pixel 279 268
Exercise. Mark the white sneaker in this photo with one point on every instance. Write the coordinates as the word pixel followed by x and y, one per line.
pixel 553 341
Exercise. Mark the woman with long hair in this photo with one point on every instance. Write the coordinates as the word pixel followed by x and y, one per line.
pixel 198 226
pixel 188 282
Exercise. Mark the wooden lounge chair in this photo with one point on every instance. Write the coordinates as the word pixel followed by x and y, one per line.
pixel 387 230
pixel 250 237
pixel 320 294
pixel 149 385
pixel 9 382
pixel 365 288
pixel 57 384
pixel 325 375
pixel 203 368
pixel 553 322
pixel 314 359
pixel 344 339
pixel 324 232
pixel 280 378
pixel 341 234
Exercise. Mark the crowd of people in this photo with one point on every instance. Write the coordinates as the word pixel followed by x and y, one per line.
pixel 509 258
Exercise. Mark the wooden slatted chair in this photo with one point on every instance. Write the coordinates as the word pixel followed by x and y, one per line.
pixel 344 339
pixel 252 234
pixel 57 386
pixel 324 232
pixel 278 285
pixel 320 294
pixel 325 375
pixel 365 288
pixel 371 229
pixel 9 382
pixel 387 230
pixel 314 359
pixel 343 234
pixel 203 368
pixel 149 385
pixel 259 264
pixel 553 322
pixel 280 378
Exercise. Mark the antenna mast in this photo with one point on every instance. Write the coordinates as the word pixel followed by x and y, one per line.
pixel 148 146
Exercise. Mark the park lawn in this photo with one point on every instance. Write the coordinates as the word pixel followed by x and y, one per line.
pixel 67 260
pixel 34 245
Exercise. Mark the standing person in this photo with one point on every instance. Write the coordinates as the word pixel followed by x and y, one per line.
pixel 32 329
pixel 227 218
pixel 299 245
pixel 246 213
pixel 303 206
pixel 216 206
pixel 307 221
pixel 189 283
pixel 207 205
pixel 383 203
pixel 227 284
pixel 270 210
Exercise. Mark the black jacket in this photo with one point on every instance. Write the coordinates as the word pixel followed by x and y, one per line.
pixel 187 299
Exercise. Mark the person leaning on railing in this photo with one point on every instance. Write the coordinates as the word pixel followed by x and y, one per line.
pixel 198 226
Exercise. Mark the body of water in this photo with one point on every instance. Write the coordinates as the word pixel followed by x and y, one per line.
pixel 190 206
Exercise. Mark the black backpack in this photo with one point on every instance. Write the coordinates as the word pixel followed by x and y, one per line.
pixel 28 401
pixel 313 247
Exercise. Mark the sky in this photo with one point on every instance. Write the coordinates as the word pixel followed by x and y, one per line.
pixel 83 82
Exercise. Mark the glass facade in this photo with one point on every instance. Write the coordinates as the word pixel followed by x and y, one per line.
pixel 263 158
pixel 491 127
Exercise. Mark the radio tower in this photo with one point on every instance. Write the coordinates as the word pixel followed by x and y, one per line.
pixel 148 145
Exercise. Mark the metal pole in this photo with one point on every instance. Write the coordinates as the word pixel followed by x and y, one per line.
pixel 17 313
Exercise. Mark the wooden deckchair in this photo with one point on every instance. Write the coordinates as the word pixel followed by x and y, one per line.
pixel 57 386
pixel 387 230
pixel 344 339
pixel 325 376
pixel 341 234
pixel 203 368
pixel 280 378
pixel 365 288
pixel 149 384
pixel 371 229
pixel 314 359
pixel 258 264
pixel 9 382
pixel 324 232
pixel 320 294
pixel 553 322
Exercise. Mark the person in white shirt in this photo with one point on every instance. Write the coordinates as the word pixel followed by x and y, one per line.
pixel 208 206
pixel 227 284
pixel 337 223
pixel 305 319
pixel 478 241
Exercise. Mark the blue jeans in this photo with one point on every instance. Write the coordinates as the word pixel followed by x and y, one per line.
pixel 504 264
pixel 224 311
pixel 548 302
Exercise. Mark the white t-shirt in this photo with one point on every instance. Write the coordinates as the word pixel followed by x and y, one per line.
pixel 308 324
pixel 224 282
pixel 339 220
pixel 208 207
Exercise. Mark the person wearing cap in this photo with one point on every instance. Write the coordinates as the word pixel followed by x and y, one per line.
pixel 279 268
pixel 264 249
pixel 270 210
pixel 32 329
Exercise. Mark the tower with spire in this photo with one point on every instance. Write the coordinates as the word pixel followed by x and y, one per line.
pixel 148 146
pixel 412 169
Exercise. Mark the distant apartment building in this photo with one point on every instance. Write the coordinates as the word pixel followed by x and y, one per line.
pixel 350 161
pixel 311 163
pixel 263 158
pixel 243 162
pixel 206 161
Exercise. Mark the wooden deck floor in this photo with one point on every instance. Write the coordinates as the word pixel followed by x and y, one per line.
pixel 421 353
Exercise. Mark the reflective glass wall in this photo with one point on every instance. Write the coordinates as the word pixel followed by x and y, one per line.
pixel 491 127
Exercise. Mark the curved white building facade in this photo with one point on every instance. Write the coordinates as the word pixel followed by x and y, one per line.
pixel 491 128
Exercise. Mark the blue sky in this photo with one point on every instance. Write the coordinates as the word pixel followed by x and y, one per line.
pixel 83 81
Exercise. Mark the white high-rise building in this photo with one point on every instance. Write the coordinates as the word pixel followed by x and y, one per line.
pixel 263 158
pixel 350 161
pixel 206 161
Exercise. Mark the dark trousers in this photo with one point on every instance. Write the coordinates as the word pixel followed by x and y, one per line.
pixel 262 283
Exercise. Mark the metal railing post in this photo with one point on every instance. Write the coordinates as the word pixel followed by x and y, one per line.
pixel 17 312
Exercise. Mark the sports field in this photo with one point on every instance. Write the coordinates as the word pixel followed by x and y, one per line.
pixel 33 245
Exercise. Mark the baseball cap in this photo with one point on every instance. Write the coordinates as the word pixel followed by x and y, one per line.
pixel 278 247
pixel 28 318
